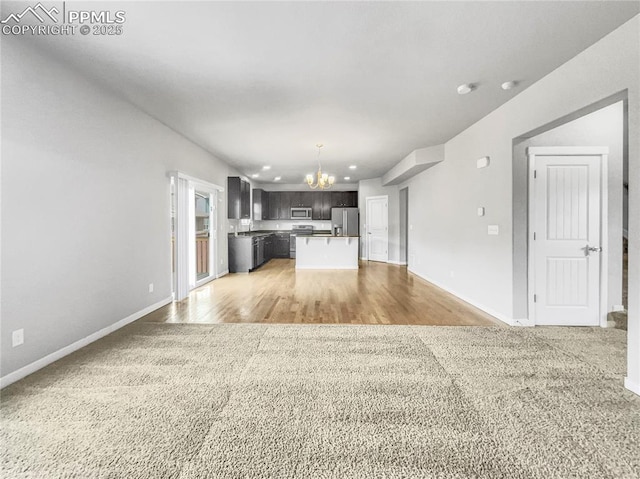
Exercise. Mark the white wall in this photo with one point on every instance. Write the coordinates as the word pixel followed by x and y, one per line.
pixel 404 225
pixel 374 187
pixel 85 205
pixel 603 127
pixel 449 242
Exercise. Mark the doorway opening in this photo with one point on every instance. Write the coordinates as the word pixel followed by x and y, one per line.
pixel 194 233
pixel 203 247
pixel 602 124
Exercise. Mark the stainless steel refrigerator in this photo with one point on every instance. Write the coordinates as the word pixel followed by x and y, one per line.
pixel 345 222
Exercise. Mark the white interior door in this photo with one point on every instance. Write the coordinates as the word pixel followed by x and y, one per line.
pixel 377 228
pixel 566 237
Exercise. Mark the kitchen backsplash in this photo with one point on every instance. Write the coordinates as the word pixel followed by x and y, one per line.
pixel 239 226
pixel 246 225
pixel 287 224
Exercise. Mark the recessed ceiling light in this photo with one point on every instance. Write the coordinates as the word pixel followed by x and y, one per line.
pixel 266 167
pixel 465 88
pixel 508 85
pixel 352 167
pixel 347 177
pixel 255 175
pixel 277 178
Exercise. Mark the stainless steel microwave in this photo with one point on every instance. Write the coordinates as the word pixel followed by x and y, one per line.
pixel 300 213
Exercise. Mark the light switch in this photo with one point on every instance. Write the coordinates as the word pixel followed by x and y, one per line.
pixel 481 211
pixel 493 230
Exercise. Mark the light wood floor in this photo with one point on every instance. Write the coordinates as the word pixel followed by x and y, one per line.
pixel 378 293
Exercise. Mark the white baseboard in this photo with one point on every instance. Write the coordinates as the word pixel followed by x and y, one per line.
pixel 523 322
pixel 631 386
pixel 400 263
pixel 222 273
pixel 364 258
pixel 60 353
pixel 482 307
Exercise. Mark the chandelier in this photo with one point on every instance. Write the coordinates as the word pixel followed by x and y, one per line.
pixel 324 181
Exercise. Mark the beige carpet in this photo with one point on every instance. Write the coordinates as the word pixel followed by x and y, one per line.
pixel 249 401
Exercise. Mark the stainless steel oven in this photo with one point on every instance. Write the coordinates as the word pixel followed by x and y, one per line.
pixel 298 230
pixel 300 213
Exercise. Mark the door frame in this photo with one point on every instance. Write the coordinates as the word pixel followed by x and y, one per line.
pixel 213 236
pixel 404 225
pixel 366 201
pixel 602 152
pixel 183 183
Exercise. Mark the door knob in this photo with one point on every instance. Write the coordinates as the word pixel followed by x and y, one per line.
pixel 592 249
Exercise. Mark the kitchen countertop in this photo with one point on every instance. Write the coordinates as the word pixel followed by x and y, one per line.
pixel 328 235
pixel 252 234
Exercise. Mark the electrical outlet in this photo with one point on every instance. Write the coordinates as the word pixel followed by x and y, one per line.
pixel 17 337
pixel 151 287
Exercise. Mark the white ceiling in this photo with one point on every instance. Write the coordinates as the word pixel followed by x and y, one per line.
pixel 262 83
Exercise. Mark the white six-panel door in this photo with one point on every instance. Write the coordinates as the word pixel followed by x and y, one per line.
pixel 565 237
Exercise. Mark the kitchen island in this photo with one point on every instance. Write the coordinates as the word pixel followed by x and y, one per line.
pixel 327 252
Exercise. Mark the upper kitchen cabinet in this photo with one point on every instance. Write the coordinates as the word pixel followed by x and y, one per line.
pixel 284 212
pixel 302 199
pixel 279 205
pixel 344 199
pixel 321 208
pixel 260 204
pixel 239 198
pixel 274 204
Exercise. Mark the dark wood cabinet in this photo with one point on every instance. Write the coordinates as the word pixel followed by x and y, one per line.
pixel 279 203
pixel 268 247
pixel 274 205
pixel 284 211
pixel 321 207
pixel 245 200
pixel 316 207
pixel 344 199
pixel 238 198
pixel 281 245
pixel 351 199
pixel 260 204
pixel 302 199
pixel 326 205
